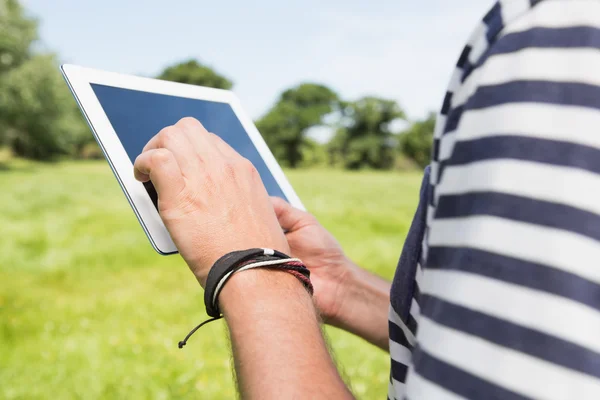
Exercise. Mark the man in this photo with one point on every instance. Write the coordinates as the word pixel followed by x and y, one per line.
pixel 508 302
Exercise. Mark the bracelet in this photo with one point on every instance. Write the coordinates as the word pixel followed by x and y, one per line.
pixel 247 266
pixel 224 266
pixel 244 260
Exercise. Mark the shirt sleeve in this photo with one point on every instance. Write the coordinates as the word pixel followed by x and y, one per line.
pixel 511 289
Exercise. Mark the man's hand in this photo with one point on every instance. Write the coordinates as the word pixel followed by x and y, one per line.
pixel 213 202
pixel 346 296
pixel 210 198
pixel 320 252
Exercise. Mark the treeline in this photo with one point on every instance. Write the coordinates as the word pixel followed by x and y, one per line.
pixel 40 120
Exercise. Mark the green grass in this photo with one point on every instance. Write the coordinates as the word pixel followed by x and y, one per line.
pixel 89 311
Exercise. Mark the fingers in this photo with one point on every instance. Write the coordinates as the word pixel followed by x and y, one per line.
pixel 160 166
pixel 176 141
pixel 199 137
pixel 290 218
pixel 206 142
pixel 191 144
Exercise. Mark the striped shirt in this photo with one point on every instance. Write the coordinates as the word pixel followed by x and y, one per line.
pixel 507 305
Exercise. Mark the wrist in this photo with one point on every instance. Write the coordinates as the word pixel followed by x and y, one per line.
pixel 363 306
pixel 345 289
pixel 260 293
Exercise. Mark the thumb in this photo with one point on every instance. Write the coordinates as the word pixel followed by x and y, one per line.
pixel 290 218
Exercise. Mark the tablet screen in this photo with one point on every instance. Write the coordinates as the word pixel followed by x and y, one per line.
pixel 137 116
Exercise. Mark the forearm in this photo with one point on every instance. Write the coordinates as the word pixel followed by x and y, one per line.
pixel 278 348
pixel 364 305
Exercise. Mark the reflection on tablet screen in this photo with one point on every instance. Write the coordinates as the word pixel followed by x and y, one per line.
pixel 137 116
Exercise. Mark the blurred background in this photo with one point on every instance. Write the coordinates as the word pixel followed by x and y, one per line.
pixel 344 93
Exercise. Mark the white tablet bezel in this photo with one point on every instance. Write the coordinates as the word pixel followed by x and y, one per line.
pixel 79 80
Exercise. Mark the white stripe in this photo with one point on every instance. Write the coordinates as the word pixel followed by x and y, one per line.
pixel 418 388
pixel 557 65
pixel 558 14
pixel 394 318
pixel 479 47
pixel 424 246
pixel 418 273
pixel 400 353
pixel 455 80
pixel 541 311
pixel 480 30
pixel 391 391
pixel 430 214
pixel 399 389
pixel 556 248
pixel 478 42
pixel 511 9
pixel 440 124
pixel 544 121
pixel 564 185
pixel 504 367
pixel 433 172
pixel 467 89
pixel 447 145
pixel 415 309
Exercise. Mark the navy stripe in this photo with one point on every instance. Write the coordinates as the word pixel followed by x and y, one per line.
pixel 399 371
pixel 513 336
pixel 545 151
pixel 494 22
pixel 464 56
pixel 457 380
pixel 397 335
pixel 492 13
pixel 469 68
pixel 545 92
pixel 512 270
pixel 447 103
pixel 453 119
pixel 417 292
pixel 436 149
pixel 411 324
pixel 523 209
pixel 441 168
pixel 571 37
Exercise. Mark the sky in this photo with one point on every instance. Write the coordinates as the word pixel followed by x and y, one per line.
pixel 402 50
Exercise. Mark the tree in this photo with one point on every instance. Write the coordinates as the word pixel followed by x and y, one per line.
pixel 40 118
pixel 194 73
pixel 416 142
pixel 365 138
pixel 17 32
pixel 284 127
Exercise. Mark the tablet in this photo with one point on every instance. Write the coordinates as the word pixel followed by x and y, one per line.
pixel 125 111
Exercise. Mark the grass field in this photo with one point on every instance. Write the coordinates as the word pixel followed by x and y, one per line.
pixel 89 311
